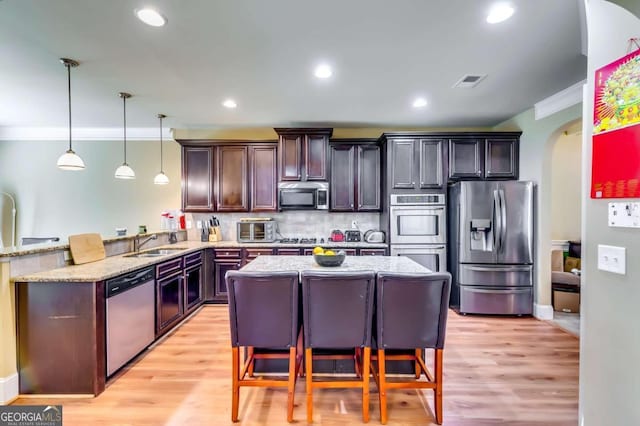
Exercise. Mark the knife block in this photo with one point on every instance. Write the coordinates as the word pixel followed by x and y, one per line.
pixel 215 234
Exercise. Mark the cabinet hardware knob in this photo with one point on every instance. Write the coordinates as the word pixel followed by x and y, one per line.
pixel 413 183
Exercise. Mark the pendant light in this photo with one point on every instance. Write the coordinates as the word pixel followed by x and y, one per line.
pixel 124 171
pixel 161 178
pixel 70 160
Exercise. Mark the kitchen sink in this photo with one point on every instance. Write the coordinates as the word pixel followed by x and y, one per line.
pixel 156 252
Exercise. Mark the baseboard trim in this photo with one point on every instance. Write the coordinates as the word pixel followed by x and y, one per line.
pixel 8 388
pixel 543 312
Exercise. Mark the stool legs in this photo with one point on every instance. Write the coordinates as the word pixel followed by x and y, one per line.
pixel 382 383
pixel 235 385
pixel 291 386
pixel 308 361
pixel 438 389
pixel 365 384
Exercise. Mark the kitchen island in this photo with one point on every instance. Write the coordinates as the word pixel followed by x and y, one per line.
pixel 398 264
pixel 351 263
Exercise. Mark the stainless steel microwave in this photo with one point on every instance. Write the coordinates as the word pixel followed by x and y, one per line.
pixel 303 196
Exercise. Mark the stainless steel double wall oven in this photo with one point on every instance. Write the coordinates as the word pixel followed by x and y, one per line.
pixel 418 229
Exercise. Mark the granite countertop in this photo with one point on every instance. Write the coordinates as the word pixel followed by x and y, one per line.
pixel 54 246
pixel 116 265
pixel 235 244
pixel 109 267
pixel 351 263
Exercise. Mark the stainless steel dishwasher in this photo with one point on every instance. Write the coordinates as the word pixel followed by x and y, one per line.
pixel 130 316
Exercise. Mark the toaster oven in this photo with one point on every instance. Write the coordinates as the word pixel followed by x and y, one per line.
pixel 256 230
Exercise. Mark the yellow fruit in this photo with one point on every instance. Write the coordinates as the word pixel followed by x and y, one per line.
pixel 329 253
pixel 318 250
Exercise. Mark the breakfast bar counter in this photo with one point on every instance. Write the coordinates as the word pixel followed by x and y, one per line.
pixel 351 263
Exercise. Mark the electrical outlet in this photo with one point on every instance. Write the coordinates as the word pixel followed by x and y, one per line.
pixel 198 224
pixel 354 224
pixel 612 259
pixel 189 224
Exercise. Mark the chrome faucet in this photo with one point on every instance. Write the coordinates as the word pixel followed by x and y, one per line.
pixel 137 244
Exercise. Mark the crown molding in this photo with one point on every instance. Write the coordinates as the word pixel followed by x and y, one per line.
pixel 82 133
pixel 570 96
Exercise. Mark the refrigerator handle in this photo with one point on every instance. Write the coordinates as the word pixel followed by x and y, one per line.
pixel 503 216
pixel 497 220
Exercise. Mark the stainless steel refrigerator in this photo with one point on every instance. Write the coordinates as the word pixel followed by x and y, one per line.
pixel 491 247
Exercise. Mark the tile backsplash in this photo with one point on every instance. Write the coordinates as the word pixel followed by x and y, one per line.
pixel 312 223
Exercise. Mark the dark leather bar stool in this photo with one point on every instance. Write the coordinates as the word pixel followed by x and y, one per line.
pixel 338 314
pixel 411 314
pixel 264 318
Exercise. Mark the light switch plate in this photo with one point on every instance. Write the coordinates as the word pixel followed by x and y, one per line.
pixel 612 259
pixel 624 215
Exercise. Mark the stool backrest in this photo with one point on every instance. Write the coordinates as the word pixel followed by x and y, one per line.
pixel 338 308
pixel 263 308
pixel 411 310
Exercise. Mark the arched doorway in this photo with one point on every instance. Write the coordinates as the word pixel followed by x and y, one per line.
pixel 565 212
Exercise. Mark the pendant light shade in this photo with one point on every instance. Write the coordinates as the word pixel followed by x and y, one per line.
pixel 124 171
pixel 70 160
pixel 161 178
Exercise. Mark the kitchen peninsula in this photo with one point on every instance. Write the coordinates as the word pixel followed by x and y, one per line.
pixel 62 310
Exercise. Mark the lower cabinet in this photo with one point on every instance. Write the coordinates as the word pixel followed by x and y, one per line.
pixel 222 267
pixel 170 306
pixel 180 289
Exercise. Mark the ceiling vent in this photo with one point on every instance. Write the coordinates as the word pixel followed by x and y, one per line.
pixel 469 80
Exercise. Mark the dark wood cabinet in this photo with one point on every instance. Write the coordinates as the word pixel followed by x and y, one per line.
pixel 402 163
pixel 501 158
pixel 466 159
pixel 341 185
pixel 170 306
pixel 368 178
pixel 355 177
pixel 291 252
pixel 264 178
pixel 431 163
pixel 250 254
pixel 224 177
pixel 303 154
pixel 483 158
pixel 225 260
pixel 416 163
pixel 222 266
pixel 232 179
pixel 197 179
pixel 373 252
pixel 193 281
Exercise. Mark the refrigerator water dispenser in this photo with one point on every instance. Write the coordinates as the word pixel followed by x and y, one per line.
pixel 481 235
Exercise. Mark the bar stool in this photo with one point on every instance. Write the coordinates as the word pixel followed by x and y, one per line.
pixel 411 314
pixel 264 318
pixel 338 311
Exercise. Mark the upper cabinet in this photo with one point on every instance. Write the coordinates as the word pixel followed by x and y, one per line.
pixel 355 177
pixel 484 157
pixel 233 195
pixel 264 178
pixel 197 178
pixel 227 176
pixel 303 154
pixel 416 163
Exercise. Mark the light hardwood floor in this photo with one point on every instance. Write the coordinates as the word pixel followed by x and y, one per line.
pixel 497 371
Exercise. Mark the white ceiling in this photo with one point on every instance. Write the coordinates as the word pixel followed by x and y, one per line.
pixel 262 54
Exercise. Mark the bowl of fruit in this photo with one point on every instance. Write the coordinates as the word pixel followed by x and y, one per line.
pixel 328 257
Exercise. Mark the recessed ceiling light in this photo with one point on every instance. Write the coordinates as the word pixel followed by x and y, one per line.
pixel 230 103
pixel 323 71
pixel 419 103
pixel 499 12
pixel 151 17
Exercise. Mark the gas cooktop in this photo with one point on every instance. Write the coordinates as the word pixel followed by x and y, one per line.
pixel 299 240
